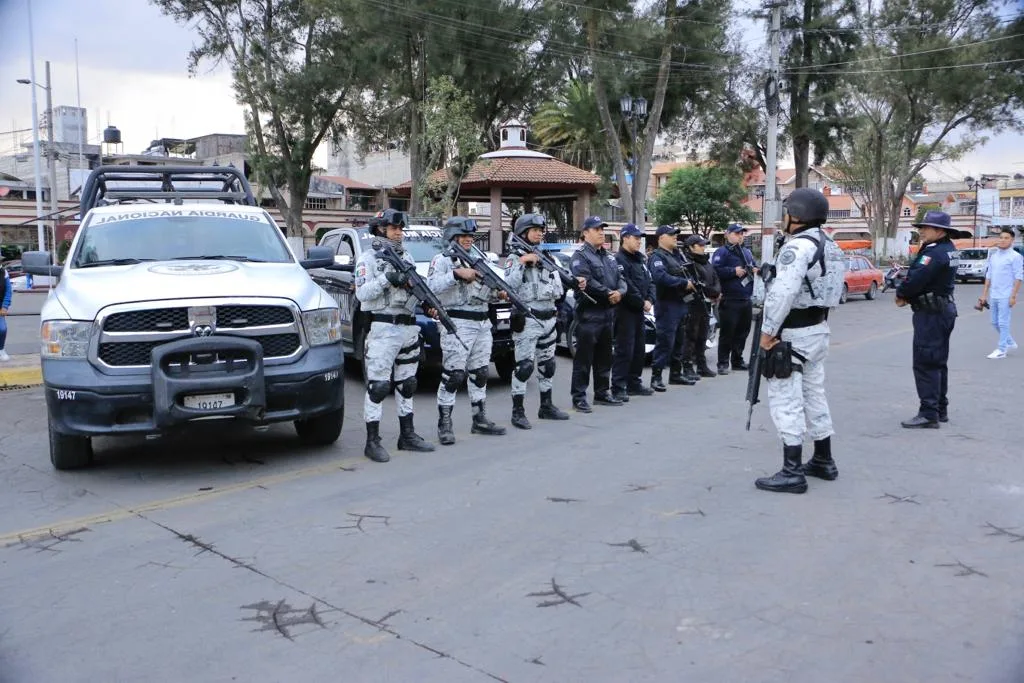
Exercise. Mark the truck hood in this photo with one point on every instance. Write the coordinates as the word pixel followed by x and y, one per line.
pixel 83 292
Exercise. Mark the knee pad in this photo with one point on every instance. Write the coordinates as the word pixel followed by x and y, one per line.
pixel 378 390
pixel 479 376
pixel 407 387
pixel 452 380
pixel 547 368
pixel 524 369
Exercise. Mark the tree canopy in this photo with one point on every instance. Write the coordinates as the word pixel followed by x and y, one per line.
pixel 707 198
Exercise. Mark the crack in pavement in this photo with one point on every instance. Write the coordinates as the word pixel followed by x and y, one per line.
pixel 559 592
pixel 632 544
pixel 210 548
pixel 1001 531
pixel 965 570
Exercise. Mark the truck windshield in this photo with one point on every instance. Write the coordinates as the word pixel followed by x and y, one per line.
pixel 179 233
pixel 973 254
pixel 423 246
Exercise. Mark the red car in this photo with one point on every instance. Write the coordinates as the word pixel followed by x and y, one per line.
pixel 862 277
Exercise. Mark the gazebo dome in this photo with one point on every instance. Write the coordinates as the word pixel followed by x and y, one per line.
pixel 513 143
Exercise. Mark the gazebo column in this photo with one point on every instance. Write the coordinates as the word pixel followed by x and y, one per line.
pixel 581 209
pixel 496 244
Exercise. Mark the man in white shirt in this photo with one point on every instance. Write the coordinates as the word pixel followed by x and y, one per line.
pixel 1002 280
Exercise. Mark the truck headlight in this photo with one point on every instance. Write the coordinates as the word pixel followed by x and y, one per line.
pixel 65 339
pixel 323 326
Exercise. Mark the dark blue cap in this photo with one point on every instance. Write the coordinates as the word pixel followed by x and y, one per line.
pixel 735 227
pixel 594 222
pixel 666 230
pixel 935 219
pixel 630 230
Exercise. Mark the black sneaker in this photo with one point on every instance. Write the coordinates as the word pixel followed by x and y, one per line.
pixel 621 395
pixel 639 390
pixel 607 399
pixel 582 406
pixel 723 368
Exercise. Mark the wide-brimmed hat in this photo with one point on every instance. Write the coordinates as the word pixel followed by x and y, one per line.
pixel 941 220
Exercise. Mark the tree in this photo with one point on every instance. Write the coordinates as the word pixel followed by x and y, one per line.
pixel 451 140
pixel 913 92
pixel 569 127
pixel 814 60
pixel 708 198
pixel 676 47
pixel 293 71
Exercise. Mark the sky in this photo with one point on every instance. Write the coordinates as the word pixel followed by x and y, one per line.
pixel 137 79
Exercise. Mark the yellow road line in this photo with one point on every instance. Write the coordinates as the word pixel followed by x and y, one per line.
pixel 123 513
pixel 20 376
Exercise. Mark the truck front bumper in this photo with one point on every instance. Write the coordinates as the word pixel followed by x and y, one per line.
pixel 83 401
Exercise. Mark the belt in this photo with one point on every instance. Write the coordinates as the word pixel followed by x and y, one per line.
pixel 469 315
pixel 805 317
pixel 542 315
pixel 930 302
pixel 393 319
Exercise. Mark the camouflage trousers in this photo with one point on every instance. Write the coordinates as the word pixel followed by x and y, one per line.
pixel 798 404
pixel 392 353
pixel 476 334
pixel 536 343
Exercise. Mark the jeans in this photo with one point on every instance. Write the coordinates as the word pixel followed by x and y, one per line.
pixel 3 332
pixel 1000 321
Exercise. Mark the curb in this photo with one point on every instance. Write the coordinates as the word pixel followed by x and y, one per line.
pixel 20 375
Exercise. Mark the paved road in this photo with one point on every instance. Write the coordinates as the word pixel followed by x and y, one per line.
pixel 627 545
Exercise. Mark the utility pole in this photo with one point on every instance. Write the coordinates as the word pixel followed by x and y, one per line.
pixel 51 159
pixel 40 225
pixel 771 206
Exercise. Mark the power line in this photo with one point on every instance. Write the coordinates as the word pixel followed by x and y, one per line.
pixel 958 46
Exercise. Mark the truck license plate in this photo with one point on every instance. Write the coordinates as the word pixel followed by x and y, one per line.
pixel 209 401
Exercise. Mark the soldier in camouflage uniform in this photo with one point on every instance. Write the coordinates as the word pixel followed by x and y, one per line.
pixel 808 283
pixel 392 350
pixel 467 301
pixel 535 342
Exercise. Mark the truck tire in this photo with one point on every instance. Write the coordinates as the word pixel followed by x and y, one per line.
pixel 505 364
pixel 70 452
pixel 322 430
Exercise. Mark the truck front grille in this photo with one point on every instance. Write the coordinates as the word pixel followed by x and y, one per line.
pixel 128 337
pixel 120 354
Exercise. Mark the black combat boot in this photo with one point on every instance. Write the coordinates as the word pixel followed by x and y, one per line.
pixel 548 410
pixel 481 425
pixel 703 370
pixel 790 478
pixel 408 439
pixel 374 451
pixel 690 373
pixel 445 430
pixel 944 413
pixel 519 413
pixel 656 382
pixel 723 368
pixel 676 376
pixel 620 394
pixel 639 390
pixel 821 464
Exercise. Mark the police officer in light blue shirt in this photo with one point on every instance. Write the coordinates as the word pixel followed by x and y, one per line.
pixel 1002 281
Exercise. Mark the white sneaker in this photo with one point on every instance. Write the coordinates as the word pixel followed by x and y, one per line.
pixel 4 356
pixel 1012 346
pixel 997 354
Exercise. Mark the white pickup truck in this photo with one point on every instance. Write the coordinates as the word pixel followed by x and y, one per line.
pixel 189 306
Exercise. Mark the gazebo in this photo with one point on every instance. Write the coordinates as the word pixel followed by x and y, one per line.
pixel 515 173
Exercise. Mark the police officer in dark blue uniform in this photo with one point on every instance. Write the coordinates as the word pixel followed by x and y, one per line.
pixel 595 321
pixel 629 318
pixel 929 291
pixel 734 264
pixel 673 290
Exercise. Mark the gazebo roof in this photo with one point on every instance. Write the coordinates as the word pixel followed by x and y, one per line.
pixel 528 173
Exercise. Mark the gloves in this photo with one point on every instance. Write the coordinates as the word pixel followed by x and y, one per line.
pixel 397 279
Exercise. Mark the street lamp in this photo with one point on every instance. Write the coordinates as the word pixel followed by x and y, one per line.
pixel 51 154
pixel 633 111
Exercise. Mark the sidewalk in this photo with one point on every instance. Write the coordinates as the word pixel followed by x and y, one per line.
pixel 22 370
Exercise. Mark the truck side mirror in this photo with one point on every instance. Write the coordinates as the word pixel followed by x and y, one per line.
pixel 40 263
pixel 318 257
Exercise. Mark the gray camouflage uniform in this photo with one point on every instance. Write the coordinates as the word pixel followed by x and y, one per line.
pixel 798 403
pixel 389 347
pixel 458 363
pixel 535 345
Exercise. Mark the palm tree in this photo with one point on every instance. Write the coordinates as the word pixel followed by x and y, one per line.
pixel 569 127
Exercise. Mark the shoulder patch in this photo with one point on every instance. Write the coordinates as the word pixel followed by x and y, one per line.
pixel 787 256
pixel 361 270
pixel 925 260
pixel 656 262
pixel 577 261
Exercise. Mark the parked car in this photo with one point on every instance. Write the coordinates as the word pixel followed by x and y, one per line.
pixel 973 265
pixel 862 277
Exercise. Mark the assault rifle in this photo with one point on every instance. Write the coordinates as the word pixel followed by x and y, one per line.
pixel 478 262
pixel 417 285
pixel 756 352
pixel 691 273
pixel 520 246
